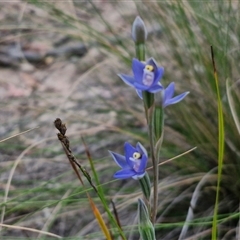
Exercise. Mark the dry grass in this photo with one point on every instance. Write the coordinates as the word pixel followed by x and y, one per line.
pixel 39 190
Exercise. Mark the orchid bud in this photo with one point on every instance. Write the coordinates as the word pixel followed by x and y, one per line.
pixel 139 32
pixel 145 226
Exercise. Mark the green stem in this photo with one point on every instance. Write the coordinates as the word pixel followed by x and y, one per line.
pixel 148 99
pixel 157 132
pixel 154 162
pixel 220 149
pixel 145 186
pixel 140 51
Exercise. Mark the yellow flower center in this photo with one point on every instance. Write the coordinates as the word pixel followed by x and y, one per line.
pixel 137 155
pixel 149 68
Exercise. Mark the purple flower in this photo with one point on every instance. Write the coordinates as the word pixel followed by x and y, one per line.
pixel 168 98
pixel 146 76
pixel 134 162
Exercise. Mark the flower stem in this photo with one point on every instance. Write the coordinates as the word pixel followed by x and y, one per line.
pixel 148 99
pixel 140 51
pixel 154 162
pixel 145 186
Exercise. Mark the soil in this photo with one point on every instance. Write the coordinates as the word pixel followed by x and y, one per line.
pixel 49 70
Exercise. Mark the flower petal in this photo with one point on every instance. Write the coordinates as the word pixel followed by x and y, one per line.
pixel 168 92
pixel 127 79
pixel 124 173
pixel 152 62
pixel 141 149
pixel 129 151
pixel 175 99
pixel 155 88
pixel 119 159
pixel 137 68
pixel 158 71
pixel 143 164
pixel 140 86
pixel 138 176
pixel 159 74
pixel 139 92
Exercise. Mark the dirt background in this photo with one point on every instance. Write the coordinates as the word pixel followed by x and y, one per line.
pixel 50 70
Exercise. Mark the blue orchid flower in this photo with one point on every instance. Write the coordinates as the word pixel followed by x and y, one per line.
pixel 168 98
pixel 146 77
pixel 134 162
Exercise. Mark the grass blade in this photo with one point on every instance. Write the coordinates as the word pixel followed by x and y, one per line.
pixel 220 149
pixel 100 219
